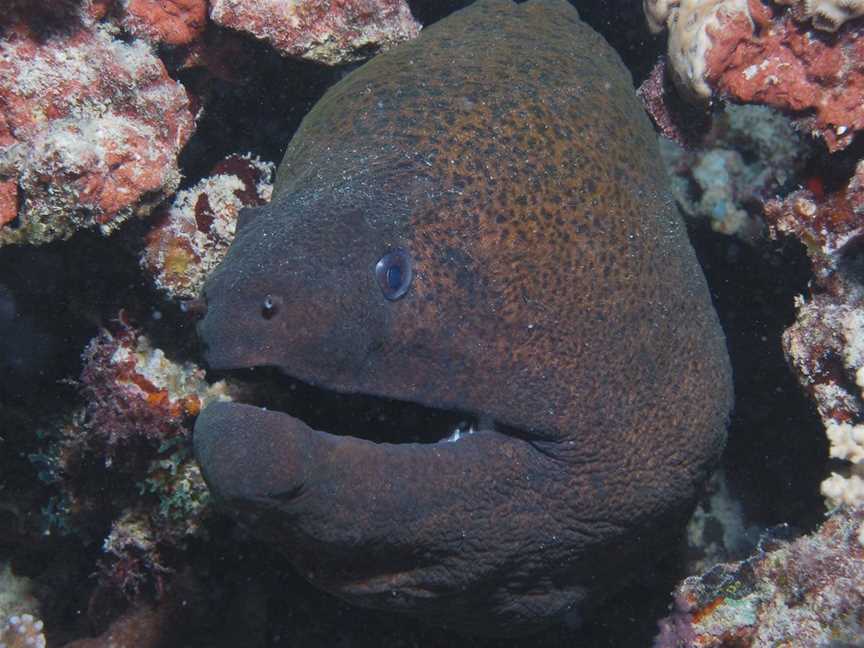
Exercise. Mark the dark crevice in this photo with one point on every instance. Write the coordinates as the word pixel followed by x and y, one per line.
pixel 775 436
pixel 382 420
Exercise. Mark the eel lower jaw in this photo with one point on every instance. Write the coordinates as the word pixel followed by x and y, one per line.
pixel 372 418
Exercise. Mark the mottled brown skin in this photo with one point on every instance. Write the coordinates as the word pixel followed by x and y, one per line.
pixel 556 297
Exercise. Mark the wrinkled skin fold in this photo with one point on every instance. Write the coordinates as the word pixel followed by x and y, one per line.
pixel 554 298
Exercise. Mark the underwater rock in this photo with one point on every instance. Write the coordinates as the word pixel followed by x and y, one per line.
pixel 333 33
pixel 809 592
pixel 468 236
pixel 739 49
pixel 718 530
pixel 91 128
pixel 190 238
pixel 172 22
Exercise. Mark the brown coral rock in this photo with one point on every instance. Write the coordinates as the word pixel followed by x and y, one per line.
pixel 332 33
pixel 173 22
pixel 92 128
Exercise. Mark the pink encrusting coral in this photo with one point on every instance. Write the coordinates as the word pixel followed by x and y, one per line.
pixel 809 592
pixel 191 237
pixel 332 33
pixel 172 22
pixel 749 52
pixel 91 129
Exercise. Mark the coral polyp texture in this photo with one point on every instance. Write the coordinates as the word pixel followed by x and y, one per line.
pixel 809 592
pixel 828 15
pixel 191 237
pixel 23 631
pixel 745 51
pixel 90 132
pixel 825 345
pixel 332 33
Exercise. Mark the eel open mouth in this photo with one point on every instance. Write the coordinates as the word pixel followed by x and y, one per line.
pixel 374 418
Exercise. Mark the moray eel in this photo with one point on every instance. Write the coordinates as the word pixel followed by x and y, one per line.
pixel 478 222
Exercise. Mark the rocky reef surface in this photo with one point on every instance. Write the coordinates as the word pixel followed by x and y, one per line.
pixel 132 134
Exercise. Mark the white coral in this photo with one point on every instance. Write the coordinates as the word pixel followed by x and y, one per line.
pixel 847 441
pixel 688 22
pixel 838 490
pixel 827 15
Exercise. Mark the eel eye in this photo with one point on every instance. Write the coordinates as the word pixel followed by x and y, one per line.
pixel 268 307
pixel 394 274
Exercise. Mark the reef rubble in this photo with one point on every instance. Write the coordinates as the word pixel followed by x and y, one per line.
pixel 90 131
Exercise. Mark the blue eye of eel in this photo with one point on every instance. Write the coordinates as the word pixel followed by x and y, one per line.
pixel 394 274
pixel 268 307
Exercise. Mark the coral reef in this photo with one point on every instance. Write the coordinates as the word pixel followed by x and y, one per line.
pixel 172 22
pixel 809 592
pixel 741 50
pixel 749 154
pixel 828 225
pixel 825 345
pixel 91 129
pixel 135 422
pixel 134 391
pixel 191 237
pixel 329 33
pixel 22 632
